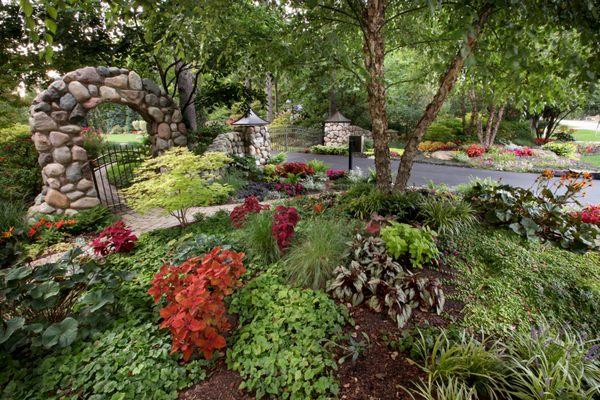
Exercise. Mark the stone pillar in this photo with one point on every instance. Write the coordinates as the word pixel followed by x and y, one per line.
pixel 258 143
pixel 336 133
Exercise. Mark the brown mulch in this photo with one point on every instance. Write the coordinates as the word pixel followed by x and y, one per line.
pixel 379 374
pixel 221 385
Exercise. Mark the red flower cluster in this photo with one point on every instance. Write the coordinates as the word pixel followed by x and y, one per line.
pixel 296 168
pixel 117 238
pixel 251 205
pixel 334 174
pixel 43 224
pixel 284 222
pixel 589 215
pixel 475 150
pixel 195 312
pixel 523 152
pixel 291 189
pixel 541 141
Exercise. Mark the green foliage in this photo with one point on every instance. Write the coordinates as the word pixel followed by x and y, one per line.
pixel 330 150
pixel 362 200
pixel 191 245
pixel 177 181
pixel 417 245
pixel 54 304
pixel 12 230
pixel 318 166
pixel 277 158
pixel 20 176
pixel 540 364
pixel 446 215
pixel 116 130
pixel 121 175
pixel 507 283
pixel 93 143
pixel 562 149
pixel 130 360
pixel 278 349
pixel 204 136
pixel 443 130
pixel 472 364
pixel 537 215
pixel 235 179
pixel 256 237
pixel 315 254
pixel 92 220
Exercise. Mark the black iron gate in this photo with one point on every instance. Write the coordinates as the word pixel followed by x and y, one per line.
pixel 294 138
pixel 113 171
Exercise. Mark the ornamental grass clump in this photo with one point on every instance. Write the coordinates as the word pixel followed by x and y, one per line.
pixel 176 181
pixel 321 245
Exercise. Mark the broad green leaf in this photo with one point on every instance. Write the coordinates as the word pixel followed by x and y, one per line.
pixel 62 333
pixel 12 325
pixel 18 273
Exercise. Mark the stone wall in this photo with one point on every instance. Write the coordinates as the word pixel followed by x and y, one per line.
pixel 56 117
pixel 337 133
pixel 247 141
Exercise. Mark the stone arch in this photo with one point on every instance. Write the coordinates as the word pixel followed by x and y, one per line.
pixel 55 123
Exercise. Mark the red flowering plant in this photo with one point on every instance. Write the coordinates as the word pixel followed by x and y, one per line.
pixel 475 150
pixel 240 213
pixel 589 215
pixel 521 152
pixel 49 231
pixel 291 189
pixel 284 222
pixel 334 174
pixel 300 169
pixel 194 291
pixel 117 238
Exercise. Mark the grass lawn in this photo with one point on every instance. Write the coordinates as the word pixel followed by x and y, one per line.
pixel 587 135
pixel 593 159
pixel 124 138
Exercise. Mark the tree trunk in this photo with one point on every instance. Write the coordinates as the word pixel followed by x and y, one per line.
pixel 185 87
pixel 463 113
pixel 488 126
pixel 276 96
pixel 499 117
pixel 432 109
pixel 373 46
pixel 269 92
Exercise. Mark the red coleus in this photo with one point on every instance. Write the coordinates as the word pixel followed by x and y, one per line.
pixel 194 291
pixel 522 152
pixel 295 168
pixel 475 150
pixel 284 222
pixel 239 214
pixel 117 238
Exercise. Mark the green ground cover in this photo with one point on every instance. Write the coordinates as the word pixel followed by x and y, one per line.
pixel 124 138
pixel 587 135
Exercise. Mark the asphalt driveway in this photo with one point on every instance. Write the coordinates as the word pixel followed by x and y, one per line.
pixel 423 173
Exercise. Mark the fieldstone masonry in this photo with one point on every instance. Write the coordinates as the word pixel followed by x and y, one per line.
pixel 56 117
pixel 337 133
pixel 247 141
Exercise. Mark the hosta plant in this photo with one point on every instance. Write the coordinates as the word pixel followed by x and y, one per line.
pixel 372 276
pixel 403 240
pixel 194 291
pixel 52 305
pixel 117 238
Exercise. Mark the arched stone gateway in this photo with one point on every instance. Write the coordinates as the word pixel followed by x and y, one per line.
pixel 55 123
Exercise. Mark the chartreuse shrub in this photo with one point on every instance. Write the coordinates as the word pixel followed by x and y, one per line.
pixel 538 364
pixel 176 181
pixel 507 282
pixel 279 348
pixel 415 244
pixel 562 149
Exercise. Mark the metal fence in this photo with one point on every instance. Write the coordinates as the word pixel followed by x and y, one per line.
pixel 113 170
pixel 294 138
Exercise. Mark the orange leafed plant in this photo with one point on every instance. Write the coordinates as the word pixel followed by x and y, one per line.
pixel 195 291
